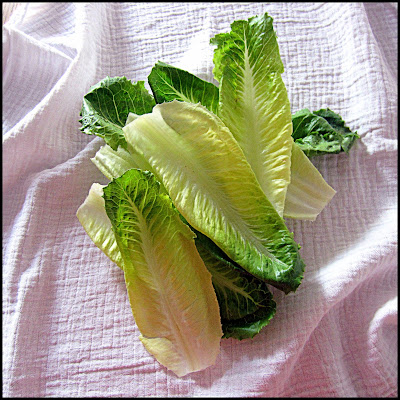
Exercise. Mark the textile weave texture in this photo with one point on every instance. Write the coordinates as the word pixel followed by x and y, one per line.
pixel 68 329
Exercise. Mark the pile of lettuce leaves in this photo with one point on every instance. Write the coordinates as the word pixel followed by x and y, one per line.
pixel 201 179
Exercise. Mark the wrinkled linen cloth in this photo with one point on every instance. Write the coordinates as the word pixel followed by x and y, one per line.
pixel 68 329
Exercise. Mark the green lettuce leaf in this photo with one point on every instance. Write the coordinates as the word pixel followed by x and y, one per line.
pixel 170 83
pixel 253 102
pixel 322 132
pixel 106 107
pixel 170 289
pixel 196 158
pixel 245 302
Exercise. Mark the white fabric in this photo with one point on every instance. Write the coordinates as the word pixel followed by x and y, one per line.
pixel 68 330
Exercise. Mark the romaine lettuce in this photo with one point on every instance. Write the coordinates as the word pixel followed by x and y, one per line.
pixel 107 105
pixel 308 193
pixel 245 302
pixel 168 83
pixel 253 101
pixel 203 185
pixel 113 163
pixel 170 289
pixel 322 132
pixel 93 217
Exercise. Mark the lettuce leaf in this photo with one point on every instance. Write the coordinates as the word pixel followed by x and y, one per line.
pixel 253 102
pixel 308 192
pixel 322 132
pixel 113 163
pixel 170 289
pixel 169 83
pixel 93 217
pixel 107 105
pixel 196 158
pixel 245 302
